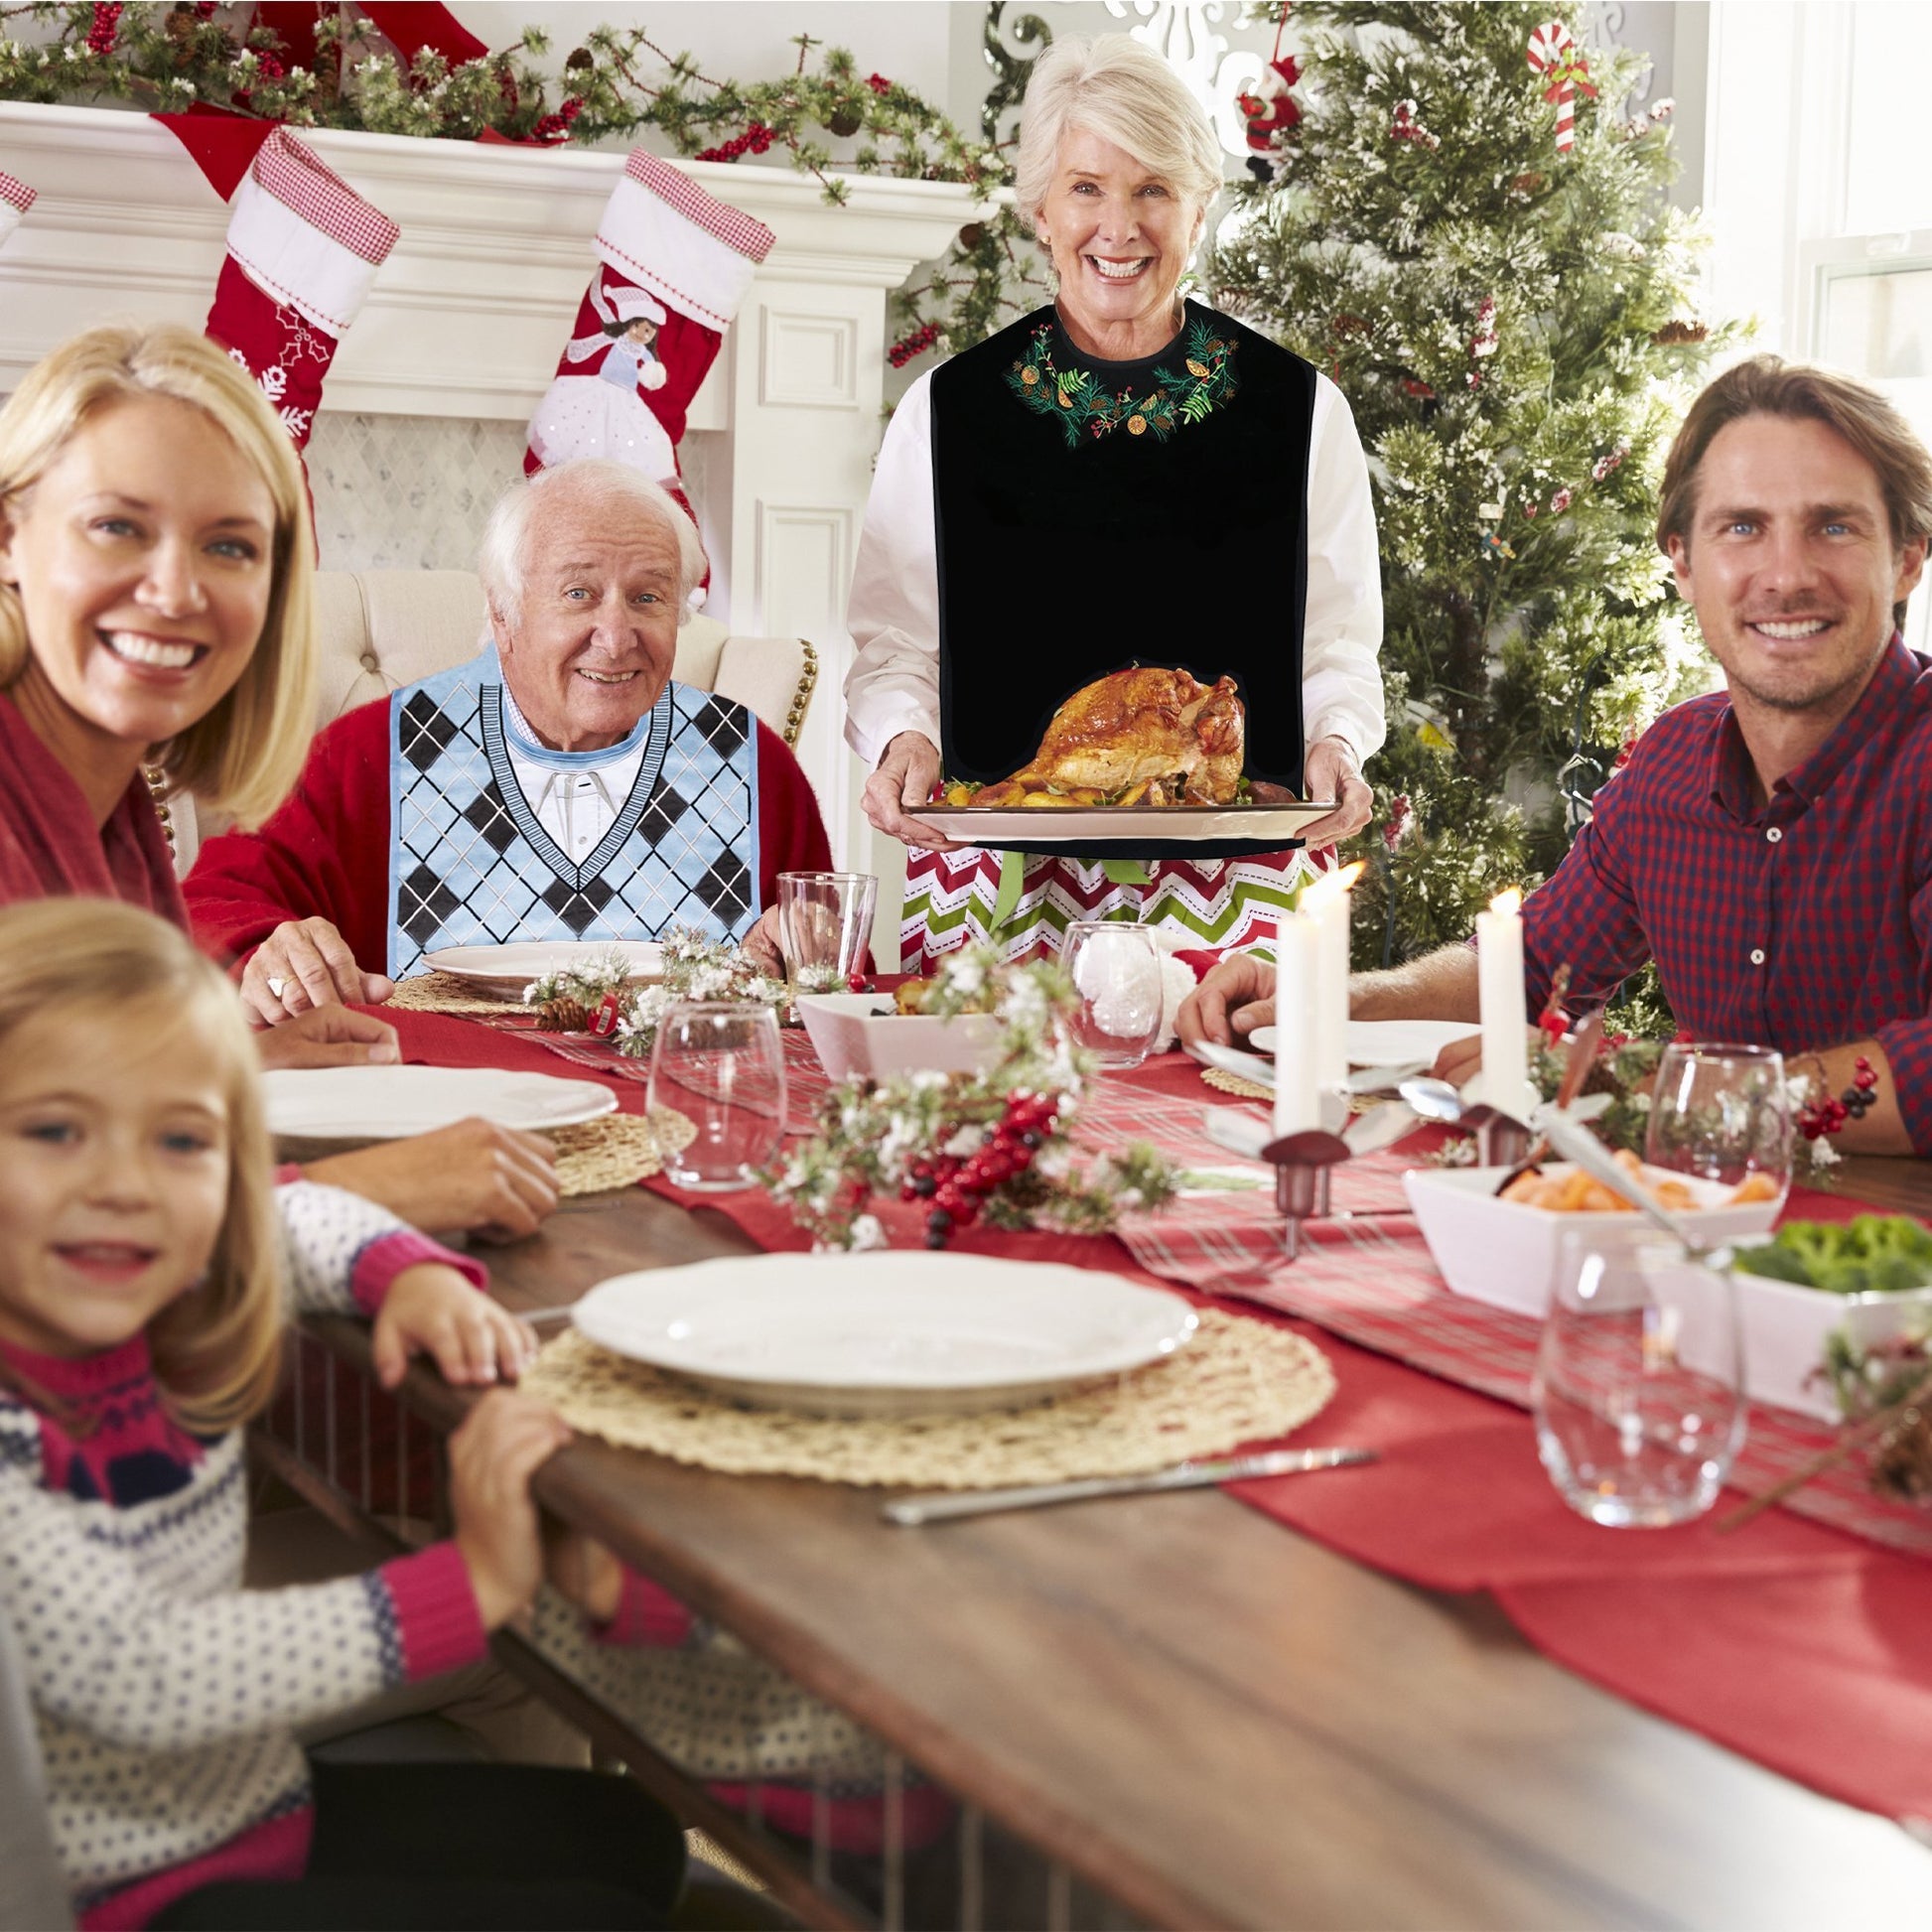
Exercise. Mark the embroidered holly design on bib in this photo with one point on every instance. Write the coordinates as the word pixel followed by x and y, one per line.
pixel 1204 382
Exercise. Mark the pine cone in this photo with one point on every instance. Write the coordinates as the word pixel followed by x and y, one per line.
pixel 563 1016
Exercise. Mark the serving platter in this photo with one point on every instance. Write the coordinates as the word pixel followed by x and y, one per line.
pixel 866 1334
pixel 390 1103
pixel 1079 825
pixel 503 972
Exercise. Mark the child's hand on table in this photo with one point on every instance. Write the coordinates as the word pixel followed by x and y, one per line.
pixel 433 1309
pixel 583 1571
pixel 502 1443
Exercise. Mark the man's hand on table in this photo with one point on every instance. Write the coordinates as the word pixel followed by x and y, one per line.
pixel 327 1037
pixel 433 1309
pixel 1236 997
pixel 761 945
pixel 475 1177
pixel 303 964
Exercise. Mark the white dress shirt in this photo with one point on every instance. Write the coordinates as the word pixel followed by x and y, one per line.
pixel 575 803
pixel 894 612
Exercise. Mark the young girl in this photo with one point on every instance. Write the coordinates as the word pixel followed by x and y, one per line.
pixel 142 1271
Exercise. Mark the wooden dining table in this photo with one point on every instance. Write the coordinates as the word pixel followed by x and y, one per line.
pixel 1205 1717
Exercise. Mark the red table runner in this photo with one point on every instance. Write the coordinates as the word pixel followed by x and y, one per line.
pixel 1793 1642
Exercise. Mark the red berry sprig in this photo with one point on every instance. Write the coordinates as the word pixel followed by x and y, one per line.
pixel 957 1187
pixel 1829 1113
pixel 105 29
pixel 556 127
pixel 755 140
pixel 916 344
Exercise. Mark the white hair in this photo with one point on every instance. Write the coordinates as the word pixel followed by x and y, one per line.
pixel 595 483
pixel 1124 92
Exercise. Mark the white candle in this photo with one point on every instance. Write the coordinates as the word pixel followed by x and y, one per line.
pixel 1505 1022
pixel 1297 1106
pixel 1326 901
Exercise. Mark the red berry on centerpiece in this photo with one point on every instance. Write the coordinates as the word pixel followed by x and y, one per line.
pixel 858 983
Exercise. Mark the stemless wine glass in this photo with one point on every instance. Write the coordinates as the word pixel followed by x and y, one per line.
pixel 1639 1379
pixel 720 1064
pixel 825 919
pixel 1116 970
pixel 1721 1113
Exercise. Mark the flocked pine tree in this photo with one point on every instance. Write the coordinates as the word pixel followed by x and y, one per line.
pixel 1514 324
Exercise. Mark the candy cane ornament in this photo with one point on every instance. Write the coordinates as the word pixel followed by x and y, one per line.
pixel 1553 52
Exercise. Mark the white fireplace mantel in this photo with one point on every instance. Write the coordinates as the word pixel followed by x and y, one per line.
pixel 468 316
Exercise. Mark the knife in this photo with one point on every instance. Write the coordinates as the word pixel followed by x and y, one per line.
pixel 910 1511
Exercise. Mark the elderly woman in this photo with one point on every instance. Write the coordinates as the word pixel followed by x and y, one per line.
pixel 1122 477
pixel 155 616
pixel 557 787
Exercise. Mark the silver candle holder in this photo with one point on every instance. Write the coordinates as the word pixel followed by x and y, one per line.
pixel 1303 1165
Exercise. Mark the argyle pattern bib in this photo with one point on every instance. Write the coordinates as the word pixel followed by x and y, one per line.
pixel 470 865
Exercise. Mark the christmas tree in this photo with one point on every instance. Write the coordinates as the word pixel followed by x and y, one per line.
pixel 1507 303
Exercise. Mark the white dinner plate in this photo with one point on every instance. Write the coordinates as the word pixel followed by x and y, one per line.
pixel 884 1333
pixel 1387 1043
pixel 503 972
pixel 1079 825
pixel 388 1103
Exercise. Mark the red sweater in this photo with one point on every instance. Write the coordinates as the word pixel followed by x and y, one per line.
pixel 326 853
pixel 48 848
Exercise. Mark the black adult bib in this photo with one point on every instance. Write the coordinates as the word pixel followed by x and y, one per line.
pixel 1072 543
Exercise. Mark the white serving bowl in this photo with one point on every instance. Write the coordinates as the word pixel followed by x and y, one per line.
pixel 865 1034
pixel 1505 1254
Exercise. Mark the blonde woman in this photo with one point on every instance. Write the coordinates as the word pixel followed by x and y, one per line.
pixel 1124 476
pixel 156 590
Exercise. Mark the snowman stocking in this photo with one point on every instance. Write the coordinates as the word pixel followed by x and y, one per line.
pixel 303 249
pixel 16 198
pixel 674 265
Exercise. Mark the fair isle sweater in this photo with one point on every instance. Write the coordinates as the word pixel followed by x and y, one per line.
pixel 166 1695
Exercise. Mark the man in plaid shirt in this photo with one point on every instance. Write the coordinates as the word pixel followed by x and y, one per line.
pixel 1769 845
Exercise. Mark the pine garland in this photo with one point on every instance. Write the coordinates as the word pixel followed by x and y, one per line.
pixel 1515 330
pixel 615 86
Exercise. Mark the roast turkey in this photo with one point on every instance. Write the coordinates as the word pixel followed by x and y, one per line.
pixel 1143 735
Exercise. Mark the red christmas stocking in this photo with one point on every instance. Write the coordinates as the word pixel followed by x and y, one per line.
pixel 676 263
pixel 16 198
pixel 303 249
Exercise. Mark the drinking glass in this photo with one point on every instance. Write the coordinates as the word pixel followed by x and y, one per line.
pixel 1116 970
pixel 825 919
pixel 719 1063
pixel 1639 1395
pixel 1721 1113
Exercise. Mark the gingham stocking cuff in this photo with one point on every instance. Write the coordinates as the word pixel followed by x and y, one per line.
pixel 304 236
pixel 16 198
pixel 693 251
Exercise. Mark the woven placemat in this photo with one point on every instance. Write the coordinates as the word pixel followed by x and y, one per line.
pixel 1238 1381
pixel 617 1151
pixel 1234 1084
pixel 439 993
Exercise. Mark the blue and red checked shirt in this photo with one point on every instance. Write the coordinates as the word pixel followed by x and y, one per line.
pixel 1801 923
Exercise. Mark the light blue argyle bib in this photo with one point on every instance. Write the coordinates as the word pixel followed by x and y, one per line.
pixel 470 865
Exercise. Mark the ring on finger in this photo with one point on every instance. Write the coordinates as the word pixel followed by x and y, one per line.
pixel 277 986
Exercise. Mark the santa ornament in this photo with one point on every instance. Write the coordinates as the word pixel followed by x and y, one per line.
pixel 303 249
pixel 674 265
pixel 16 198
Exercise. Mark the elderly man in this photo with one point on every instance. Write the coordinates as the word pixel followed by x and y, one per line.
pixel 1769 845
pixel 557 786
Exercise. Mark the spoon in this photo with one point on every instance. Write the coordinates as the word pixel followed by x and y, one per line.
pixel 1437 1100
